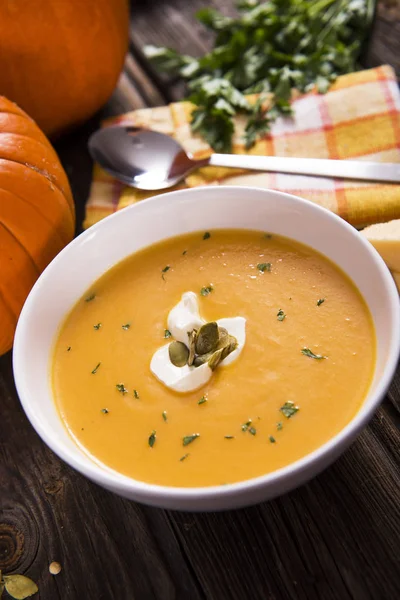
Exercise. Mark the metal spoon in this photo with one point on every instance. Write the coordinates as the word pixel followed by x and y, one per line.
pixel 154 161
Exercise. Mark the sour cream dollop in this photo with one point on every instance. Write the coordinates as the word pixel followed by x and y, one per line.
pixel 182 318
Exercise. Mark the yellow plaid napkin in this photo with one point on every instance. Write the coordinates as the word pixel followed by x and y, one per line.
pixel 359 118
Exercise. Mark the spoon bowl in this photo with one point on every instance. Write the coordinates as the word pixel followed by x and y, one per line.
pixel 141 158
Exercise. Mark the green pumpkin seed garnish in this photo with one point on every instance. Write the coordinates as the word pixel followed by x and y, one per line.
pixel 19 586
pixel 165 415
pixel 207 338
pixel 97 327
pixel 167 333
pixel 192 335
pixel 215 359
pixel 178 354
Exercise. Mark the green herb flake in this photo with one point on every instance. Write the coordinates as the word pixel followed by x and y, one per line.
pixel 272 439
pixel 69 349
pixel 252 430
pixel 280 315
pixel 262 267
pixel 152 438
pixel 121 388
pixel 229 437
pixel 268 236
pixel 310 354
pixel 202 400
pixel 96 368
pixel 289 409
pixel 167 333
pixel 164 415
pixel 207 235
pixel 136 394
pixel 126 326
pixel 184 457
pixel 188 439
pixel 97 327
pixel 246 425
pixel 90 298
pixel 279 425
pixel 320 301
pixel 205 291
pixel 184 252
pixel 105 411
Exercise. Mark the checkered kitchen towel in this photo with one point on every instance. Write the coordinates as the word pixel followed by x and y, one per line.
pixel 359 118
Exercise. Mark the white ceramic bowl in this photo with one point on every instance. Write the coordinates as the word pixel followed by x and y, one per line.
pixel 72 272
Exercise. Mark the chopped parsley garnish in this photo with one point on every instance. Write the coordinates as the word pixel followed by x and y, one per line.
pixel 246 425
pixel 320 301
pixel 289 409
pixel 152 438
pixel 310 354
pixel 252 430
pixel 205 291
pixel 105 411
pixel 229 437
pixel 69 349
pixel 188 439
pixel 164 270
pixel 126 326
pixel 167 333
pixel 121 388
pixel 279 425
pixel 136 394
pixel 184 252
pixel 206 235
pixel 272 439
pixel 202 400
pixel 184 457
pixel 96 368
pixel 280 315
pixel 272 47
pixel 90 298
pixel 262 267
pixel 97 326
pixel 268 236
pixel 164 415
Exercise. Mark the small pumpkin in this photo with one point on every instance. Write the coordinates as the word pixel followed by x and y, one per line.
pixel 37 216
pixel 60 59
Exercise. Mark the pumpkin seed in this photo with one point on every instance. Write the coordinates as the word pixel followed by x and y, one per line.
pixel 178 354
pixel 192 335
pixel 215 359
pixel 19 586
pixel 207 338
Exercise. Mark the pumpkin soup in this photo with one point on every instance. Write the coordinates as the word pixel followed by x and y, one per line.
pixel 284 340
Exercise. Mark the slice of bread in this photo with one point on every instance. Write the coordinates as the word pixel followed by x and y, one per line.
pixel 385 237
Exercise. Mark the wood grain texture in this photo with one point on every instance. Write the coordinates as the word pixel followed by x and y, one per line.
pixel 335 538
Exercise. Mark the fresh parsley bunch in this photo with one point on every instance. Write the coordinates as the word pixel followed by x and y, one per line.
pixel 271 47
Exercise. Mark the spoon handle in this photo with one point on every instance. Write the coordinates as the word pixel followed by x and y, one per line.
pixel 321 167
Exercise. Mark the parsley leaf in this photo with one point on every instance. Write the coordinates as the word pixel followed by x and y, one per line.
pixel 188 439
pixel 310 354
pixel 262 267
pixel 280 315
pixel 205 291
pixel 152 438
pixel 289 409
pixel 270 48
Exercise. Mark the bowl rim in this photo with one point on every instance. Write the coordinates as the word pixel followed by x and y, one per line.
pixel 142 491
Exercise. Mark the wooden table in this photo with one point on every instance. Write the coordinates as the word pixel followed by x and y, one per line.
pixel 336 538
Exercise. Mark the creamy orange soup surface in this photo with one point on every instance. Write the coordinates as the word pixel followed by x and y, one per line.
pixel 303 373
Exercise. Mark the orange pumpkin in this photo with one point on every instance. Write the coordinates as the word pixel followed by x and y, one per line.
pixel 60 59
pixel 37 217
